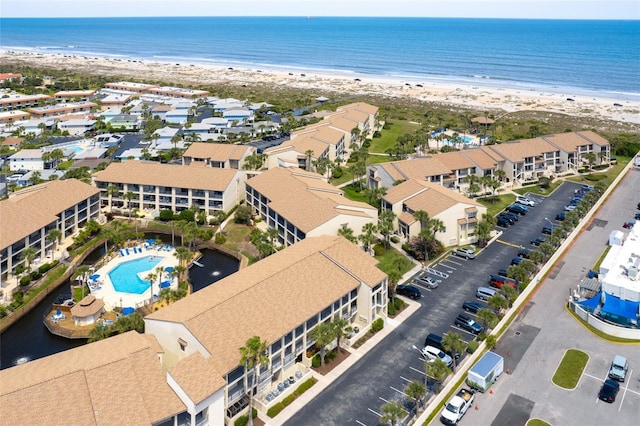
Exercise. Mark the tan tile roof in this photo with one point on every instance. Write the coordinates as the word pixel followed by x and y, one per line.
pixel 397 193
pixel 305 143
pixel 37 206
pixel 455 160
pixel 169 175
pixel 271 297
pixel 569 142
pixel 12 140
pixel 87 306
pixel 114 381
pixel 323 133
pixel 188 373
pixel 480 158
pixel 360 106
pixel 491 153
pixel 340 122
pixel 303 198
pixel 517 151
pixel 419 168
pixel 355 115
pixel 430 197
pixel 218 151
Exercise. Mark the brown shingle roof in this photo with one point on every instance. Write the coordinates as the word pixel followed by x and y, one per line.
pixel 169 175
pixel 455 160
pixel 218 151
pixel 303 198
pixel 517 151
pixel 114 381
pixel 360 106
pixel 419 168
pixel 271 297
pixel 87 306
pixel 37 206
pixel 480 158
pixel 430 197
pixel 188 373
pixel 569 142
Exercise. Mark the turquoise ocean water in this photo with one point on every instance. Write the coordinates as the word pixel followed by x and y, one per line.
pixel 579 56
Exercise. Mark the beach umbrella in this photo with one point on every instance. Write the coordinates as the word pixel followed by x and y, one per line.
pixel 94 277
pixel 58 312
pixel 168 269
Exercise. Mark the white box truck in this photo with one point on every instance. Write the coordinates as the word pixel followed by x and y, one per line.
pixel 482 375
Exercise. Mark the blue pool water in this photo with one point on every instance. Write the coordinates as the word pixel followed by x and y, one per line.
pixel 124 277
pixel 464 139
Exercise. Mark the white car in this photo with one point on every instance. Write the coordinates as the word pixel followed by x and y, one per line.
pixel 525 201
pixel 466 252
pixel 431 353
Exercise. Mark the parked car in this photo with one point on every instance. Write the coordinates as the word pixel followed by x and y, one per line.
pixel 516 260
pixel 525 201
pixel 466 252
pixel 497 281
pixel 628 225
pixel 431 353
pixel 518 208
pixel 637 217
pixel 618 369
pixel 427 281
pixel 511 215
pixel 537 241
pixel 569 208
pixel 561 216
pixel 409 291
pixel 502 272
pixel 473 307
pixel 609 391
pixel 503 221
pixel 547 229
pixel 467 323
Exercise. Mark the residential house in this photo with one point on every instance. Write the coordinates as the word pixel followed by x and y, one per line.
pixel 223 156
pixel 26 159
pixel 10 117
pixel 9 76
pixel 177 92
pixel 458 213
pixel 238 115
pixel 130 86
pixel 166 186
pixel 574 146
pixel 77 127
pixel 125 122
pixel 12 142
pixel 302 204
pixel 28 215
pixel 115 101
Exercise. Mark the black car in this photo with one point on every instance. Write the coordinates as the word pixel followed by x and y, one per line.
pixel 467 323
pixel 509 219
pixel 510 215
pixel 523 252
pixel 502 272
pixel 609 391
pixel 516 260
pixel 547 229
pixel 410 291
pixel 637 217
pixel 503 222
pixel 473 307
pixel 561 216
pixel 518 208
pixel 538 241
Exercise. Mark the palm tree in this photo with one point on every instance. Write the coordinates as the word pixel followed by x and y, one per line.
pixel 323 334
pixel 436 225
pixel 80 274
pixel 385 225
pixel 36 177
pixel 483 232
pixel 54 235
pixel 112 191
pixel 253 355
pixel 437 370
pixel 394 278
pixel 497 302
pixel 454 344
pixel 309 154
pixel 368 235
pixel 28 255
pixel 183 254
pixel 151 277
pixel 341 329
pixel 416 391
pixel 590 158
pixel 129 195
pixel 347 233
pixel 500 175
pixel 486 317
pixel 392 412
pixel 422 217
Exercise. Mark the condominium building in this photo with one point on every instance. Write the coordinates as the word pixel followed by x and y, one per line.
pixel 308 145
pixel 158 187
pixel 11 101
pixel 218 155
pixel 73 95
pixel 28 215
pixel 301 204
pixel 83 107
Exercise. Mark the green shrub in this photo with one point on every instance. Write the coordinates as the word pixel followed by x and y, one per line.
pixel 398 303
pixel 35 275
pixel 273 411
pixel 288 400
pixel 243 420
pixel 44 267
pixel 482 336
pixel 315 361
pixel 186 215
pixel 20 269
pixel 595 177
pixel 327 359
pixel 25 280
pixel 18 297
pixel 304 387
pixel 333 354
pixel 395 239
pixel 378 250
pixel 166 215
pixel 377 325
pixel 391 309
pixel 220 238
pixel 472 346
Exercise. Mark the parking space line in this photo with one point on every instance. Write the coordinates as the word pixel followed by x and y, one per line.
pixel 449 267
pixel 360 423
pixel 382 399
pixel 626 387
pixel 506 243
pixel 417 371
pixel 448 259
pixel 406 380
pixel 464 331
pixel 374 412
pixel 398 390
pixel 420 286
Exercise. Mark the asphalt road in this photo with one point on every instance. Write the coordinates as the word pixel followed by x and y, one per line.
pixel 383 373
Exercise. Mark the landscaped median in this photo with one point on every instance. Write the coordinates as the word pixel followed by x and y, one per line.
pixel 570 370
pixel 273 411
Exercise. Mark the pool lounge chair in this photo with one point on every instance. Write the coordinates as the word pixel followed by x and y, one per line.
pixel 127 250
pixel 122 252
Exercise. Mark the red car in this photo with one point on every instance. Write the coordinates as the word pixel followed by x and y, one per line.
pixel 628 225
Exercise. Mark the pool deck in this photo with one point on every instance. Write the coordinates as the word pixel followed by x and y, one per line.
pixel 115 299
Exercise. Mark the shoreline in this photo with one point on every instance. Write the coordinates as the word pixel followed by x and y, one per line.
pixel 469 95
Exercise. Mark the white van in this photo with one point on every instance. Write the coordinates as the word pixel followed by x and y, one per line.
pixel 485 293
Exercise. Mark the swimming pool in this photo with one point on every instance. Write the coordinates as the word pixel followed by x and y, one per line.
pixel 463 139
pixel 125 279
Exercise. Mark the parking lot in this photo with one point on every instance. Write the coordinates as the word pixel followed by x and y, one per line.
pixel 382 374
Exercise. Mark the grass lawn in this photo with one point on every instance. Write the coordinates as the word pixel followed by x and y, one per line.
pixel 570 369
pixel 353 193
pixel 392 259
pixel 535 189
pixel 496 204
pixel 611 173
pixel 235 234
pixel 375 159
pixel 596 267
pixel 537 422
pixel 395 128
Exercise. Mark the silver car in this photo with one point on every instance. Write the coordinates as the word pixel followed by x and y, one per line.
pixel 427 281
pixel 431 353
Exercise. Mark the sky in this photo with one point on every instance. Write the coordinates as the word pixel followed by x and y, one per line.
pixel 532 9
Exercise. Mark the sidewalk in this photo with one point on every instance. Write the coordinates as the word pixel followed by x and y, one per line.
pixel 325 381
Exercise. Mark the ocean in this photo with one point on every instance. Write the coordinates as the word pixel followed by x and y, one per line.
pixel 559 55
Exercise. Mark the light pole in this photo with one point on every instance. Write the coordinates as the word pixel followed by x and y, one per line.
pixel 550 222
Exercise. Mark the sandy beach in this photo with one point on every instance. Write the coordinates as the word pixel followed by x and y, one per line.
pixel 493 99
